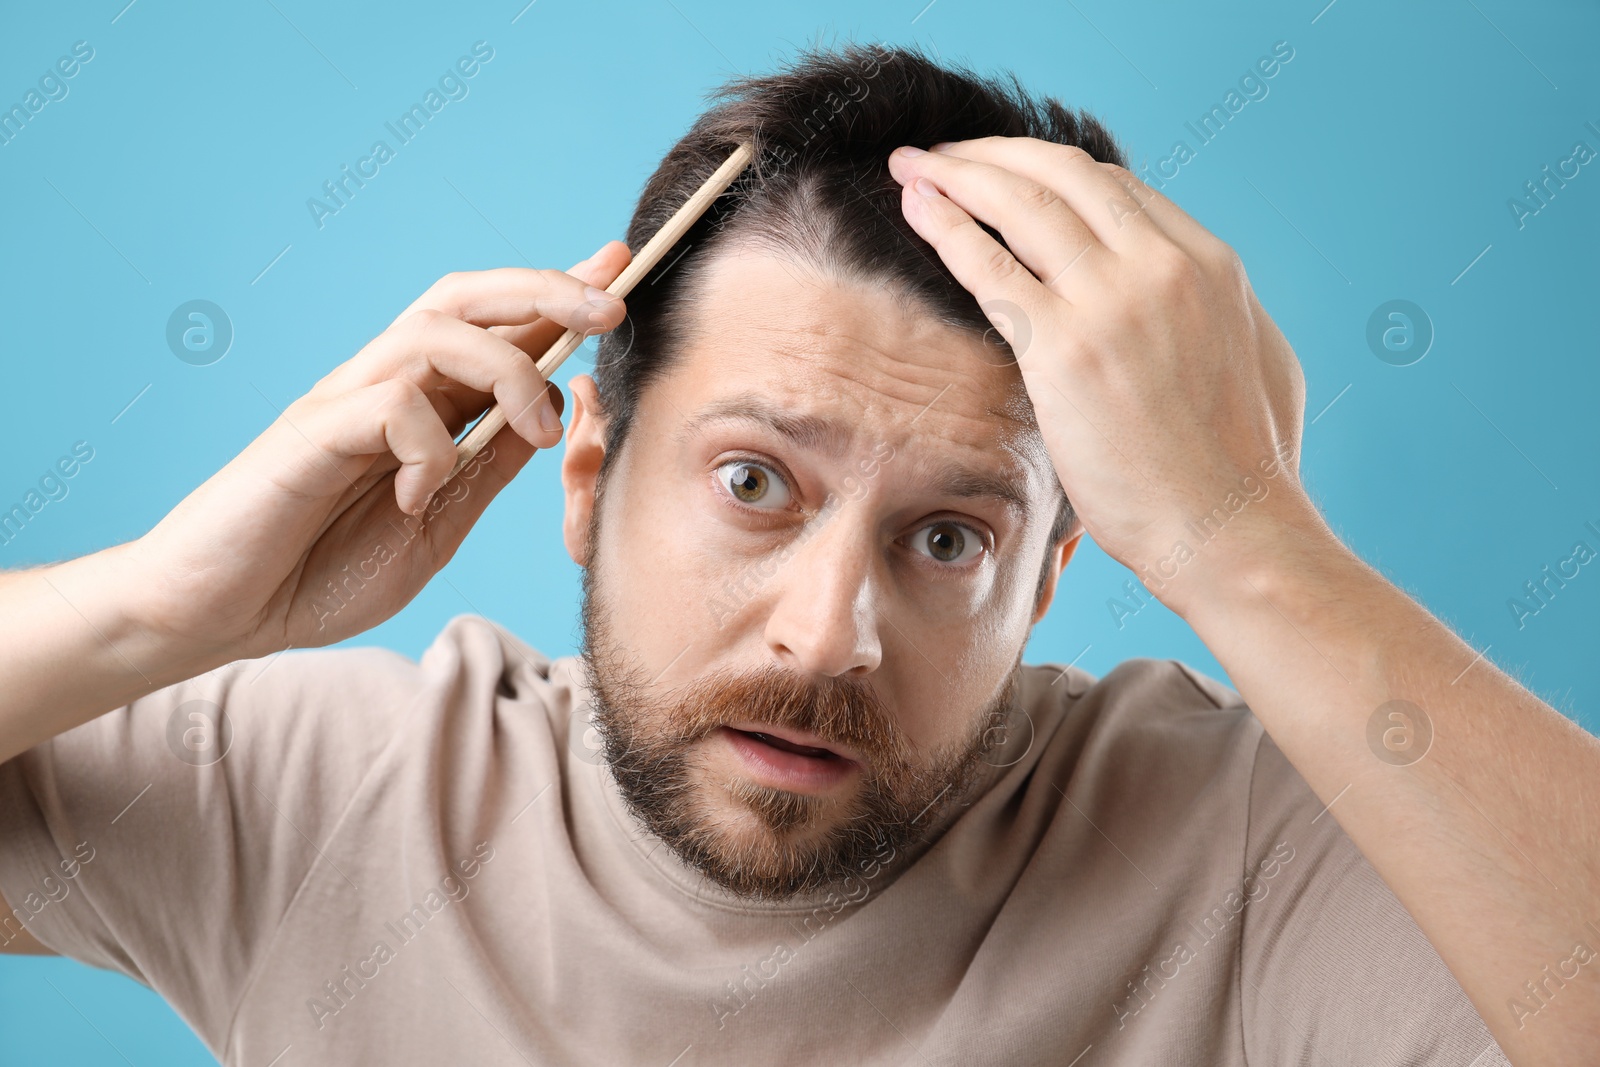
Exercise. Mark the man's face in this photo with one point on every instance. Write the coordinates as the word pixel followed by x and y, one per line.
pixel 810 574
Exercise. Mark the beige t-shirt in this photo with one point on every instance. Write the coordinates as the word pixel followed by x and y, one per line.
pixel 398 862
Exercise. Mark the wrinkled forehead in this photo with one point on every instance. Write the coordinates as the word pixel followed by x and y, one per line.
pixel 841 355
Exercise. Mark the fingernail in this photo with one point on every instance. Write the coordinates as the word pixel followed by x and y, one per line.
pixel 942 146
pixel 911 150
pixel 925 187
pixel 597 296
pixel 547 414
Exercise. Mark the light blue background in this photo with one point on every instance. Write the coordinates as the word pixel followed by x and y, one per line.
pixel 1378 167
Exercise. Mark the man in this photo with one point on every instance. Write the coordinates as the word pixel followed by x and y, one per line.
pixel 800 801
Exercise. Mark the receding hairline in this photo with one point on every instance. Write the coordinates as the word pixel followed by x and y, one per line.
pixel 830 188
pixel 946 477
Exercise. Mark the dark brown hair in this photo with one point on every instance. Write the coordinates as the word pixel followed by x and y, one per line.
pixel 820 192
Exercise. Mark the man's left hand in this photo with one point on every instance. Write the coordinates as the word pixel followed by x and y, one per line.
pixel 1160 386
pixel 1163 390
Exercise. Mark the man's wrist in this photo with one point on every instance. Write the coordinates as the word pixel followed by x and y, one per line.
pixel 1276 555
pixel 123 584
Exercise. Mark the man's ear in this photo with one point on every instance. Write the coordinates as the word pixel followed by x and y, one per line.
pixel 580 464
pixel 1059 555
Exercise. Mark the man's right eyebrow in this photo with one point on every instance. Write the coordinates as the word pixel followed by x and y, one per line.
pixel 810 432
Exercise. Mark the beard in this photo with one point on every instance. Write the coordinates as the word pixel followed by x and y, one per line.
pixel 755 840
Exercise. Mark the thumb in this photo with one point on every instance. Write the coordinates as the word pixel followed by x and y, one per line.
pixel 599 270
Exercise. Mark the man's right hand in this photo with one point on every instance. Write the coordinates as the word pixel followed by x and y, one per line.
pixel 340 483
pixel 248 563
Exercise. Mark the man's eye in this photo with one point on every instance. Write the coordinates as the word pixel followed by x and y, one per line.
pixel 947 542
pixel 753 484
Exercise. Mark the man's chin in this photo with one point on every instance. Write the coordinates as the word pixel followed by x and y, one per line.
pixel 767 843
pixel 749 835
pixel 751 862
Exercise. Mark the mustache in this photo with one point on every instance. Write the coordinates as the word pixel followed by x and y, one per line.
pixel 845 712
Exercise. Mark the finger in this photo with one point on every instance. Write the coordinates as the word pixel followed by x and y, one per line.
pixel 513 296
pixel 433 350
pixel 1041 230
pixel 458 505
pixel 506 454
pixel 599 270
pixel 1004 288
pixel 389 417
pixel 1115 206
pixel 1104 204
pixel 1181 226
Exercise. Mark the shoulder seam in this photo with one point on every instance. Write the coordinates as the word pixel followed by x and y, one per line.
pixel 35 862
pixel 1184 670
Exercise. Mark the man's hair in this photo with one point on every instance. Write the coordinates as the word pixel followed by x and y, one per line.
pixel 819 192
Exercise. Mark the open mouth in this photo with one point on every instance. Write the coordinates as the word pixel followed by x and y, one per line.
pixel 788 762
pixel 789 746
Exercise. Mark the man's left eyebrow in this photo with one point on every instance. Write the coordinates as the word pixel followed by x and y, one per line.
pixel 967 483
pixel 807 431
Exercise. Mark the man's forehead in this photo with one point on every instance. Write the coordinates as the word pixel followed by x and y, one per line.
pixel 857 352
pixel 845 370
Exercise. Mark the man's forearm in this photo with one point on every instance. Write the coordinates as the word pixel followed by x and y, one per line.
pixel 70 649
pixel 1475 801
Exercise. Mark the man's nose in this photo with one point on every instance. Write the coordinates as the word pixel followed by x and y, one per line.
pixel 824 607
